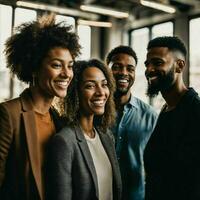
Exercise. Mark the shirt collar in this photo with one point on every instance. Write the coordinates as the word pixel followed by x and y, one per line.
pixel 132 102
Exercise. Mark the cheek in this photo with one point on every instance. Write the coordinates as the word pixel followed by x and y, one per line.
pixel 71 74
pixel 133 76
pixel 107 92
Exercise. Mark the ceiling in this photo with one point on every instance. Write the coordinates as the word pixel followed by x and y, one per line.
pixel 134 7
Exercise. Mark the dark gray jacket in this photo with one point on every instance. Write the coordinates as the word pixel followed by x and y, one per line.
pixel 71 172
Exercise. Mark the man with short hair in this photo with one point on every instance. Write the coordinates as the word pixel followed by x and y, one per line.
pixel 171 157
pixel 134 124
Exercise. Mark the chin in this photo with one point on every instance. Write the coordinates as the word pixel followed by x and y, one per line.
pixel 61 95
pixel 152 92
pixel 99 112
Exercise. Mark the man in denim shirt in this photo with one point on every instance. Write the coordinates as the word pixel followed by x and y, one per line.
pixel 134 124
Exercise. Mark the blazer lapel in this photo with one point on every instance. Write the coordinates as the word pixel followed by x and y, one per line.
pixel 32 140
pixel 87 156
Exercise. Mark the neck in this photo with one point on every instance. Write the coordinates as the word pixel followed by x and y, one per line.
pixel 174 95
pixel 121 100
pixel 41 103
pixel 86 124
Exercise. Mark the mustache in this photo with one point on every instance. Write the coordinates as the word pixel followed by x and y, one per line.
pixel 151 74
pixel 122 76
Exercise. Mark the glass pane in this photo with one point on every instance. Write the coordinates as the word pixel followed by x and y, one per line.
pixel 84 33
pixel 68 20
pixel 24 15
pixel 21 16
pixel 140 85
pixel 195 54
pixel 164 29
pixel 5 27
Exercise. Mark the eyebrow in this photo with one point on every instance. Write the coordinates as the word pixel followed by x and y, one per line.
pixel 94 81
pixel 123 65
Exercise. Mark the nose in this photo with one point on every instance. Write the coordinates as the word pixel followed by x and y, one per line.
pixel 149 68
pixel 67 71
pixel 99 91
pixel 123 70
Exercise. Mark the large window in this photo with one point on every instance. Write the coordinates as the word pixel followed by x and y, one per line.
pixel 66 19
pixel 21 16
pixel 5 27
pixel 164 29
pixel 84 33
pixel 139 40
pixel 24 15
pixel 195 54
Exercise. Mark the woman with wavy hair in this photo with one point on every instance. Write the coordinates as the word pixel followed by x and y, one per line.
pixel 82 161
pixel 41 53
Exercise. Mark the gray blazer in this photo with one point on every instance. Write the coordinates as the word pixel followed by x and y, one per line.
pixel 71 173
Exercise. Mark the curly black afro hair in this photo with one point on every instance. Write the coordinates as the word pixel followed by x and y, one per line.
pixel 26 49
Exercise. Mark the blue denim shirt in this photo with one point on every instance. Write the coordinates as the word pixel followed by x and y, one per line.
pixel 131 133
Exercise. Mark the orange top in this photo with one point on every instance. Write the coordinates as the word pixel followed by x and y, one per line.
pixel 45 129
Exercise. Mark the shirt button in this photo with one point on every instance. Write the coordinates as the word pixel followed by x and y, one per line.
pixel 120 137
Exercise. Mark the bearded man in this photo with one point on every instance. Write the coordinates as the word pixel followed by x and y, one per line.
pixel 171 156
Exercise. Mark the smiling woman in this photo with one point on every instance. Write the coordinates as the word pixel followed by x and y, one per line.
pixel 82 163
pixel 41 53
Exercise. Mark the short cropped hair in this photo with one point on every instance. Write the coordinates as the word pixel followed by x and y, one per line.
pixel 26 49
pixel 72 108
pixel 121 49
pixel 173 43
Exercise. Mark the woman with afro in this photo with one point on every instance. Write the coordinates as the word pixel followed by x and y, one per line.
pixel 40 53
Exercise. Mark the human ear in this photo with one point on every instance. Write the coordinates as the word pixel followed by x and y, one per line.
pixel 180 65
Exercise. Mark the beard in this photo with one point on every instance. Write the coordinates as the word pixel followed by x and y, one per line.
pixel 164 83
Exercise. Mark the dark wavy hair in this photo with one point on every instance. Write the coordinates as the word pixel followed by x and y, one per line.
pixel 72 108
pixel 26 49
pixel 173 43
pixel 121 49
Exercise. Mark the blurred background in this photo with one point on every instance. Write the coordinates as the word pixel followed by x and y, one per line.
pixel 104 24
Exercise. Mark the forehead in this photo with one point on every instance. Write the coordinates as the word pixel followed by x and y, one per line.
pixel 159 52
pixel 122 57
pixel 93 73
pixel 59 52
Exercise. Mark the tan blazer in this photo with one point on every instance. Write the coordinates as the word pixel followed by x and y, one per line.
pixel 20 167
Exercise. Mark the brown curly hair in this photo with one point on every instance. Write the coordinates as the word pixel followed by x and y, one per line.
pixel 26 49
pixel 72 108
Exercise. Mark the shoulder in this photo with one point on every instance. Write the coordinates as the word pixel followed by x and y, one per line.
pixel 11 104
pixel 190 101
pixel 66 134
pixel 145 108
pixel 195 105
pixel 11 108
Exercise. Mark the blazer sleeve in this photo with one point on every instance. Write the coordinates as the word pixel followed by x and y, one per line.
pixel 6 136
pixel 59 167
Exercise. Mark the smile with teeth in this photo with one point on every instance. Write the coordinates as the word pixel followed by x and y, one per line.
pixel 63 84
pixel 122 81
pixel 98 103
pixel 150 79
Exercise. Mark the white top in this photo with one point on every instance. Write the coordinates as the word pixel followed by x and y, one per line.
pixel 102 166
